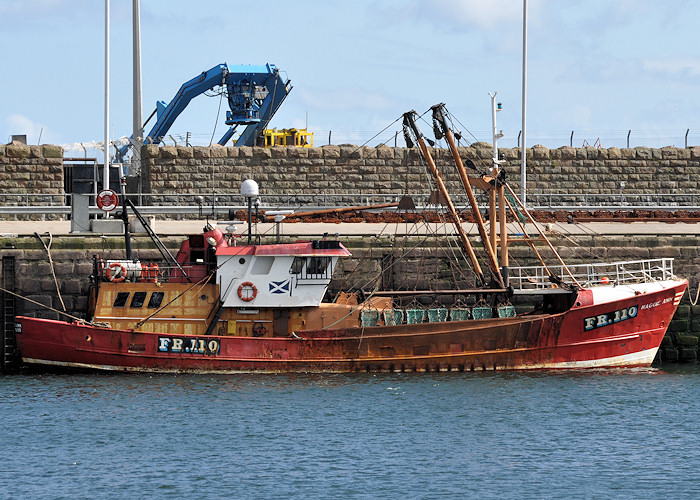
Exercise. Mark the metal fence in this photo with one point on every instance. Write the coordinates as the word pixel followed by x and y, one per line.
pixel 218 204
pixel 614 201
pixel 552 139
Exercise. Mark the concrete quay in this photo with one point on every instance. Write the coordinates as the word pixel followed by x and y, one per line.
pixel 181 227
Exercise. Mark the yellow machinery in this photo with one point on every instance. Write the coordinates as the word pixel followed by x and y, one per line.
pixel 299 138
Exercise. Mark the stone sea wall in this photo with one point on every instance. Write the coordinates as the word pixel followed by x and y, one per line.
pixel 349 169
pixel 352 169
pixel 31 169
pixel 72 266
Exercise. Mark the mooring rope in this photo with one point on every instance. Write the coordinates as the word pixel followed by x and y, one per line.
pixel 697 296
pixel 53 272
pixel 42 305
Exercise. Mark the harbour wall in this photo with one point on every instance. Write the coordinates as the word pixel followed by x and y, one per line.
pixel 36 170
pixel 374 170
pixel 348 169
pixel 71 263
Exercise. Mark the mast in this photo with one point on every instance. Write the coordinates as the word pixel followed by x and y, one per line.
pixel 523 153
pixel 409 122
pixel 439 118
pixel 499 178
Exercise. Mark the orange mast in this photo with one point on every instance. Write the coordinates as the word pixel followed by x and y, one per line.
pixel 410 123
pixel 439 118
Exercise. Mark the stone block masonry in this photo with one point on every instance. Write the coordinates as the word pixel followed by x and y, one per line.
pixel 31 174
pixel 352 169
pixel 348 169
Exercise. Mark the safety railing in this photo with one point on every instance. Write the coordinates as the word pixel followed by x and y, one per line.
pixel 616 273
pixel 614 201
pixel 153 271
pixel 220 204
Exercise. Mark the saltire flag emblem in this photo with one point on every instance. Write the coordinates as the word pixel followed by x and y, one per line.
pixel 279 286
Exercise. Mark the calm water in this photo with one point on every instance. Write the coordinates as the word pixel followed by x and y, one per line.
pixel 595 434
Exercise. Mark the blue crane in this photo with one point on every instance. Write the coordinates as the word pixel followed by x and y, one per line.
pixel 254 93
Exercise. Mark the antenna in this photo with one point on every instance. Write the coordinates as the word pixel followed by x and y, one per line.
pixel 496 134
pixel 278 216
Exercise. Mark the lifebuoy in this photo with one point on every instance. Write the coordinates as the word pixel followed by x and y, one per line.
pixel 116 272
pixel 247 291
pixel 107 200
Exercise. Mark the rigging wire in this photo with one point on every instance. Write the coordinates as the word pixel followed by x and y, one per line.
pixel 430 181
pixel 63 313
pixel 216 122
pixel 201 282
pixel 463 127
pixel 307 184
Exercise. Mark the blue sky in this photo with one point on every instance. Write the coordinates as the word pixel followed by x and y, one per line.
pixel 598 68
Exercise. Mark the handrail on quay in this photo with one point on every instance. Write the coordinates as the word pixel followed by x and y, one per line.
pixel 208 203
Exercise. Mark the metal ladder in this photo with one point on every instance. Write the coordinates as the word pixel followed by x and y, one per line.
pixel 10 361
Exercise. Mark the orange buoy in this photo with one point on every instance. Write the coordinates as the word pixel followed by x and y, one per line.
pixel 116 272
pixel 247 291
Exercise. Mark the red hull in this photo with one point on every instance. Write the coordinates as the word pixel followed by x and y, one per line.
pixel 624 332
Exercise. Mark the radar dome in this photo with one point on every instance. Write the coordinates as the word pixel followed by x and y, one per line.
pixel 249 188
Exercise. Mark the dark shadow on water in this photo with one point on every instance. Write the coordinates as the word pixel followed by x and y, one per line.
pixel 91 383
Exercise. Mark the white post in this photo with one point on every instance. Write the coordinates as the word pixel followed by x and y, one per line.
pixel 495 134
pixel 105 180
pixel 137 125
pixel 523 154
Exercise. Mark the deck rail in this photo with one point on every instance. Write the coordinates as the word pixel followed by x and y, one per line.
pixel 617 273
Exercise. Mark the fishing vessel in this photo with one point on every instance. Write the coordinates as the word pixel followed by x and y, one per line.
pixel 222 306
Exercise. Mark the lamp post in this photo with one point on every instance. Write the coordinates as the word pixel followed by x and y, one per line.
pixel 137 119
pixel 249 189
pixel 105 180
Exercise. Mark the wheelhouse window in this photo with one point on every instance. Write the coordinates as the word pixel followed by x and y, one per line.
pixel 310 267
pixel 121 299
pixel 297 265
pixel 139 299
pixel 262 265
pixel 318 265
pixel 155 300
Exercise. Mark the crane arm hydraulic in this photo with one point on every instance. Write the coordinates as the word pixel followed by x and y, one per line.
pixel 254 93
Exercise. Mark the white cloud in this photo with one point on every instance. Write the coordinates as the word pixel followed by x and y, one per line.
pixel 26 11
pixel 479 14
pixel 21 125
pixel 673 66
pixel 345 99
pixel 472 12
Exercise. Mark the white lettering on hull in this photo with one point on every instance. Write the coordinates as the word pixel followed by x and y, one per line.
pixel 606 319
